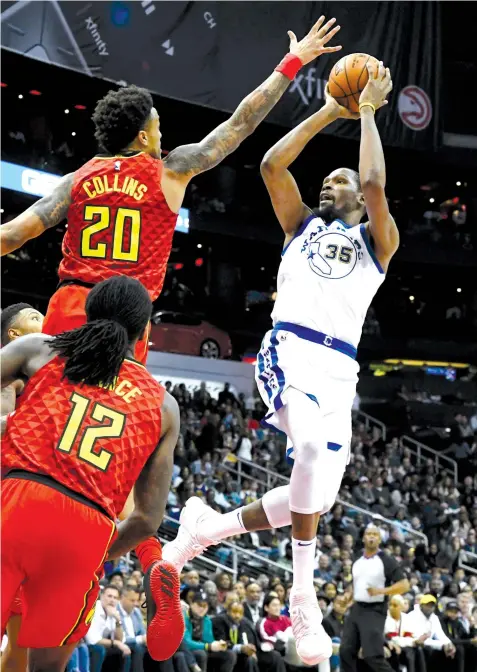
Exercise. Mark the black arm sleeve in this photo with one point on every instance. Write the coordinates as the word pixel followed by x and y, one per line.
pixel 392 570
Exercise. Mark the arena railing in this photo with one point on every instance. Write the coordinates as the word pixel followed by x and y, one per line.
pixel 419 450
pixel 243 470
pixel 369 422
pixel 424 453
pixel 464 558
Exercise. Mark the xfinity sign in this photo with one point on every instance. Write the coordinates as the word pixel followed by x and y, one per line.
pixel 307 86
pixel 38 183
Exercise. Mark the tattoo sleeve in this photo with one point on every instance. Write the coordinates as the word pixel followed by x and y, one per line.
pixel 45 213
pixel 193 159
pixel 52 209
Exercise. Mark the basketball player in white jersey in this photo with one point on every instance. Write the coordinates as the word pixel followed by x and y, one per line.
pixel 332 266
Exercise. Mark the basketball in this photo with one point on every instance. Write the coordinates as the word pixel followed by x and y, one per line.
pixel 349 77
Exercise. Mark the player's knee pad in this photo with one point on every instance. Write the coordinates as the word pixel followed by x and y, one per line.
pixel 330 488
pixel 276 505
pixel 307 481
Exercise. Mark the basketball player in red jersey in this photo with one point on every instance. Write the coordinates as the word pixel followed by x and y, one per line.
pixel 72 455
pixel 122 205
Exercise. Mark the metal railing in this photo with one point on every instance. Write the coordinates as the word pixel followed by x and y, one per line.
pixel 420 451
pixel 464 558
pixel 423 452
pixel 369 422
pixel 269 479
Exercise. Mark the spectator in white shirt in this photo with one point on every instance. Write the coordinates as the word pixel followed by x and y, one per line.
pixel 428 632
pixel 244 451
pixel 105 636
pixel 400 637
pixel 133 626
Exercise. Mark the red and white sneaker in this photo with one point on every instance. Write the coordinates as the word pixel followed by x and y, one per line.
pixel 165 622
pixel 189 542
pixel 312 643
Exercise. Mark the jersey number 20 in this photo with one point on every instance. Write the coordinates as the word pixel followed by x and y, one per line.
pixel 100 215
pixel 86 449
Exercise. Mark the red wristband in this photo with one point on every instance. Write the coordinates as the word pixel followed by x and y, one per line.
pixel 289 66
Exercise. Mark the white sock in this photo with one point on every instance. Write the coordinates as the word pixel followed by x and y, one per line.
pixel 222 526
pixel 303 563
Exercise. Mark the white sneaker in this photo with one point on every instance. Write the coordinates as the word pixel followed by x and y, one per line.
pixel 312 643
pixel 189 543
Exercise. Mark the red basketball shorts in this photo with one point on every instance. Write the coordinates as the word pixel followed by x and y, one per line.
pixel 16 609
pixel 54 547
pixel 66 311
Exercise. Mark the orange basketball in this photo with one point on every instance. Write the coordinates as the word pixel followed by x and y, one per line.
pixel 349 77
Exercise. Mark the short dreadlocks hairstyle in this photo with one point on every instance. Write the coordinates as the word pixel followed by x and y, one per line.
pixel 119 116
pixel 7 317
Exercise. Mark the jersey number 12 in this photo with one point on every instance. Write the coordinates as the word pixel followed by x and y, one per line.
pixel 86 449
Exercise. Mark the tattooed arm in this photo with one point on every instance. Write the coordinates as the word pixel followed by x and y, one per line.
pixel 189 160
pixel 44 214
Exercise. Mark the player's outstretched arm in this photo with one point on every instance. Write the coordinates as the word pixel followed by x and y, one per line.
pixel 152 487
pixel 45 213
pixel 281 185
pixel 189 160
pixel 24 356
pixel 372 168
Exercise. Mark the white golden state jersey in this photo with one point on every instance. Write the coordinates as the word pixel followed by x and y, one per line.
pixel 327 279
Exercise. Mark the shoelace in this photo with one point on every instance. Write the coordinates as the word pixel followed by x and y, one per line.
pixel 191 548
pixel 301 623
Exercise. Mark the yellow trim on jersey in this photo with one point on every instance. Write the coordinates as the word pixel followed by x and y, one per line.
pixel 117 156
pixel 96 577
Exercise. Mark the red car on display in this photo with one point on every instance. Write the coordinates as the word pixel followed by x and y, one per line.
pixel 188 335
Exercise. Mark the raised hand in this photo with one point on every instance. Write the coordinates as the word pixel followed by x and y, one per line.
pixel 313 44
pixel 378 87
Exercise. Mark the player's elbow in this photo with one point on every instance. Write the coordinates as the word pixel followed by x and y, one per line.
pixel 268 165
pixel 402 587
pixel 373 184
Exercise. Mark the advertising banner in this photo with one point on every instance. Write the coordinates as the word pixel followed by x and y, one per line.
pixel 214 53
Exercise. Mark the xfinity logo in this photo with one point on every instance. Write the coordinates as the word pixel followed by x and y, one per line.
pixel 307 86
pixel 92 27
